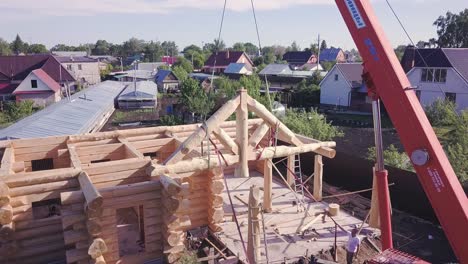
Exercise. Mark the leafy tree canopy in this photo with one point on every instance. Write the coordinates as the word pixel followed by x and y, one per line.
pixel 311 124
pixel 452 30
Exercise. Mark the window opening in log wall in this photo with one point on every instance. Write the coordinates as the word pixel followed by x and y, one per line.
pixel 46 208
pixel 99 161
pixel 42 164
pixel 130 230
pixel 152 155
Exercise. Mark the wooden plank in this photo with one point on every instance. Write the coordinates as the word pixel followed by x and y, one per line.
pixel 131 148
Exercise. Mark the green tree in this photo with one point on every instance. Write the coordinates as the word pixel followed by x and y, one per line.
pixel 5 48
pixel 252 84
pixel 184 63
pixel 323 45
pixel 392 157
pixel 452 30
pixel 251 48
pixel 294 47
pixel 171 120
pixel 153 51
pixel 18 46
pixel 37 49
pixel 306 94
pixel 194 98
pixel 180 72
pixel 328 65
pixel 441 113
pixel 170 48
pixel 238 46
pixel 133 46
pixel 225 87
pixel 311 124
pixel 102 47
pixel 19 110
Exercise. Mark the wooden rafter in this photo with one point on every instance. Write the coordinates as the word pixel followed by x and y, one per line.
pixel 74 158
pixel 200 133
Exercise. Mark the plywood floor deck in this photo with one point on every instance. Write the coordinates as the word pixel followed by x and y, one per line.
pixel 286 243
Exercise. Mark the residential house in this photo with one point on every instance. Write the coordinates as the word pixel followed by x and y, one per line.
pixel 283 80
pixel 104 60
pixel 138 95
pixel 150 66
pixel 205 80
pixel 131 75
pixel 167 81
pixel 15 69
pixel 130 60
pixel 84 69
pixel 438 74
pixel 332 55
pixel 219 62
pixel 87 111
pixel 311 67
pixel 38 87
pixel 169 60
pixel 299 58
pixel 343 87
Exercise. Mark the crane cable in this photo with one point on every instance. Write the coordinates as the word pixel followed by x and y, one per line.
pixel 416 49
pixel 217 46
pixel 267 88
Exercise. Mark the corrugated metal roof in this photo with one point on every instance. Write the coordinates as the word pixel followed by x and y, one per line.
pixel 276 69
pixel 78 116
pixel 144 89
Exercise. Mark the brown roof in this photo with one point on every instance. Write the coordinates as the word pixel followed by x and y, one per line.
pixel 352 72
pixel 224 58
pixel 18 67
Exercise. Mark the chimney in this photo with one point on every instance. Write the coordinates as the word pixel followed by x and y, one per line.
pixel 227 54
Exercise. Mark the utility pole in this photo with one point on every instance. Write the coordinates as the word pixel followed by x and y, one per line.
pixel 318 53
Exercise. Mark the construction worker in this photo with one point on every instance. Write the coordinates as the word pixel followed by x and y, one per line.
pixel 352 246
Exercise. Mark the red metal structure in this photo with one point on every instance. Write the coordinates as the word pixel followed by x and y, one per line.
pixel 386 80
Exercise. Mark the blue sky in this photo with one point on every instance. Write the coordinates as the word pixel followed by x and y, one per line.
pixel 197 21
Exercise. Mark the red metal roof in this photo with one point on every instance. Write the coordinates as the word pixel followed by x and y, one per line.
pixel 18 67
pixel 41 74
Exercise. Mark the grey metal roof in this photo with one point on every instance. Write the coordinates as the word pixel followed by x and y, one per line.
pixel 235 68
pixel 144 90
pixel 77 116
pixel 140 74
pixel 150 66
pixel 276 69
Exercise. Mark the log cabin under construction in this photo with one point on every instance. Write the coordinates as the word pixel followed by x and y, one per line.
pixel 74 198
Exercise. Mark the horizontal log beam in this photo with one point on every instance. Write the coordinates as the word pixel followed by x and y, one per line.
pixel 202 163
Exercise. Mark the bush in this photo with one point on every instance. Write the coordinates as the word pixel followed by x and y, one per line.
pixel 171 120
pixel 311 124
pixel 392 157
pixel 19 110
pixel 441 113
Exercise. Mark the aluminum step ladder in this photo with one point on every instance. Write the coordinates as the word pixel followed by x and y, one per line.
pixel 299 183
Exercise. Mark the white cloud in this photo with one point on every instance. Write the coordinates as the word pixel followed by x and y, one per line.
pixel 93 7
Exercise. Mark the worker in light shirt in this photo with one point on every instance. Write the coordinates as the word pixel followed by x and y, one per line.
pixel 352 246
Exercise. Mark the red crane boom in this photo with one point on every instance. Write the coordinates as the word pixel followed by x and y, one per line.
pixel 386 80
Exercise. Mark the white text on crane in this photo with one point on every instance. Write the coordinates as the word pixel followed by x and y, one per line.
pixel 358 20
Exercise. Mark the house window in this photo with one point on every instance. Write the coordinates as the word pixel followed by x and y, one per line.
pixel 46 208
pixel 434 75
pixel 79 67
pixel 336 77
pixel 33 83
pixel 440 75
pixel 452 97
pixel 42 164
pixel 69 67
